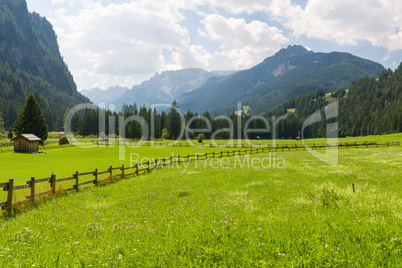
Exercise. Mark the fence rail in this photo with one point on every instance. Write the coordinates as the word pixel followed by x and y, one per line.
pixel 10 188
pixel 211 145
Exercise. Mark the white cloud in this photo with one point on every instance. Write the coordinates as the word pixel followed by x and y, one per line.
pixel 89 79
pixel 241 6
pixel 192 56
pixel 243 44
pixel 344 21
pixel 127 39
pixel 56 2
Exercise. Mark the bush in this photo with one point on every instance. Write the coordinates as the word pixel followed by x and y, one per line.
pixel 200 138
pixel 165 134
pixel 63 141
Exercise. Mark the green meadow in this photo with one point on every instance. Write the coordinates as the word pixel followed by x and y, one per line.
pixel 265 210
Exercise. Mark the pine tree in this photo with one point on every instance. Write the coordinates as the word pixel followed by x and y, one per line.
pixel 31 119
pixel 174 124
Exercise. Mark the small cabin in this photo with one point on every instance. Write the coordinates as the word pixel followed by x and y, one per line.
pixel 26 143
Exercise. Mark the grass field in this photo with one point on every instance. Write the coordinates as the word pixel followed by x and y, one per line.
pixel 281 210
pixel 64 161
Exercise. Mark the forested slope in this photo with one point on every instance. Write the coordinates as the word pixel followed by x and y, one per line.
pixel 370 107
pixel 30 61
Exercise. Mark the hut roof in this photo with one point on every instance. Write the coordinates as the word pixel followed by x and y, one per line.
pixel 30 137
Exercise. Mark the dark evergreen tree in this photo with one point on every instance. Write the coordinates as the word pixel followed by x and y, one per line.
pixel 157 124
pixel 89 123
pixel 174 124
pixel 31 119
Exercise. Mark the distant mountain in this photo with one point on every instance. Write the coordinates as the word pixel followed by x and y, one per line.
pixel 30 61
pixel 165 87
pixel 291 72
pixel 96 95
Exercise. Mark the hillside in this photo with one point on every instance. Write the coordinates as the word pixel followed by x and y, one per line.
pixel 30 61
pixel 290 72
pixel 370 107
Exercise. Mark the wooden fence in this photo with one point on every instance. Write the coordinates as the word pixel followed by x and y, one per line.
pixel 140 168
pixel 315 146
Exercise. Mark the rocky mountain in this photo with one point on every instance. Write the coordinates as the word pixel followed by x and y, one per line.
pixel 30 61
pixel 96 95
pixel 162 88
pixel 291 72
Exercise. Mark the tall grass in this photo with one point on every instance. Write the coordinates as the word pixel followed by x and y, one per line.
pixel 301 214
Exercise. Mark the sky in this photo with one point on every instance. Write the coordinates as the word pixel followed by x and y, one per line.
pixel 109 43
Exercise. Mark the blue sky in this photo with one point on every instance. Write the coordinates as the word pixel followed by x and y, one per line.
pixel 107 43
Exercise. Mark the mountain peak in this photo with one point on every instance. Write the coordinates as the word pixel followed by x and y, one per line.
pixel 292 51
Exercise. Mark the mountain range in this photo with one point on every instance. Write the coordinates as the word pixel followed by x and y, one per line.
pixel 291 72
pixel 97 96
pixel 162 88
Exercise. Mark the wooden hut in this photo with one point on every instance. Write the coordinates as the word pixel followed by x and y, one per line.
pixel 26 143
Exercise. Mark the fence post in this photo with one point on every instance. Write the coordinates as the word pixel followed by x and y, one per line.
pixel 122 171
pixel 206 156
pixel 178 158
pixel 148 167
pixel 76 181
pixel 164 161
pixel 111 172
pixel 9 188
pixel 137 169
pixel 188 158
pixel 96 177
pixel 32 184
pixel 53 183
pixel 221 154
pixel 156 164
